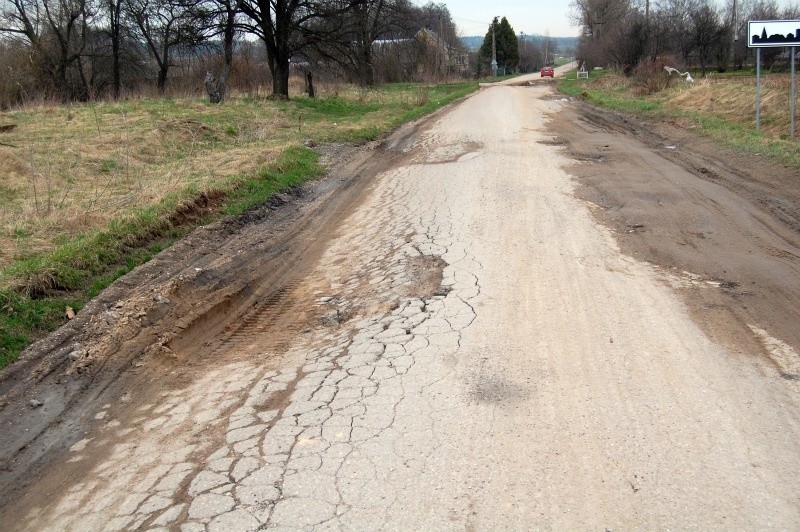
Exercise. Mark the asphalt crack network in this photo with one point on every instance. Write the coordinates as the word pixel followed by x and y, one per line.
pixel 304 446
pixel 448 363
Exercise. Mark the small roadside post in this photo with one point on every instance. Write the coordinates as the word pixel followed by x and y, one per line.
pixel 775 34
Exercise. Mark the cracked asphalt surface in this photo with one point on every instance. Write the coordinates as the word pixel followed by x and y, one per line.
pixel 474 352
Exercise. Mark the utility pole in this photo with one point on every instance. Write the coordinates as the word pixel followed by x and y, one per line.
pixel 494 50
pixel 546 46
pixel 443 46
pixel 647 26
pixel 733 31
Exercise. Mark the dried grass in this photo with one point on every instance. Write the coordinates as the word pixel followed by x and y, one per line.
pixel 734 100
pixel 613 81
pixel 74 168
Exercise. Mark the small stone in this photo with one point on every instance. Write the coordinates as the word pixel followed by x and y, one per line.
pixel 77 353
pixel 161 300
pixel 331 318
pixel 35 403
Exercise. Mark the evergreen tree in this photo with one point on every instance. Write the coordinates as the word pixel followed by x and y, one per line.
pixel 507 44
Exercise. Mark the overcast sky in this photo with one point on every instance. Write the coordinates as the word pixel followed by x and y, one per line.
pixel 474 16
pixel 529 16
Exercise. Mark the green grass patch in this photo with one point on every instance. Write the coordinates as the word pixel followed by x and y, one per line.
pixel 561 61
pixel 616 98
pixel 334 108
pixel 23 320
pixel 295 166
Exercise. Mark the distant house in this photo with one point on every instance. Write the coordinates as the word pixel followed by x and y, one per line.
pixel 454 59
pixel 423 56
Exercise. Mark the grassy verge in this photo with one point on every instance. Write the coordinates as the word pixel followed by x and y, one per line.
pixel 561 61
pixel 719 107
pixel 77 215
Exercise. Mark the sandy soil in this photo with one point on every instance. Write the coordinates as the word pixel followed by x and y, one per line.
pixel 520 313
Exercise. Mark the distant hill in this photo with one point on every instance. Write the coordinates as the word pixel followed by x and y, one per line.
pixel 473 42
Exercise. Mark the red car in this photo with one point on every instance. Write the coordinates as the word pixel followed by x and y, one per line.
pixel 548 71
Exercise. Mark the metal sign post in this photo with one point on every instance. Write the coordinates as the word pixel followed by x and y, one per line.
pixel 758 89
pixel 774 34
pixel 793 94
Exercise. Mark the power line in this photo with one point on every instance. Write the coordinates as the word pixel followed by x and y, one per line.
pixel 468 20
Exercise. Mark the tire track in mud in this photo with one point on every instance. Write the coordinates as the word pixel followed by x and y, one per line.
pixel 255 324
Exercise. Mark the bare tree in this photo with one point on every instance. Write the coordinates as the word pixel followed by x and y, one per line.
pixel 597 18
pixel 113 12
pixel 709 34
pixel 626 42
pixel 373 20
pixel 224 13
pixel 165 25
pixel 57 31
pixel 289 27
pixel 531 56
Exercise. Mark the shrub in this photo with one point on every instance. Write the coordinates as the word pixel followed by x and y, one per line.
pixel 650 77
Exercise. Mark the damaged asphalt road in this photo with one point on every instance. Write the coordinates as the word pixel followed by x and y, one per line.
pixel 456 344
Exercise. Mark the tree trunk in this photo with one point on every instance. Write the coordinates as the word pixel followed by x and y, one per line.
pixel 114 8
pixel 310 85
pixel 280 79
pixel 117 78
pixel 163 62
pixel 230 32
pixel 368 71
pixel 162 78
pixel 212 88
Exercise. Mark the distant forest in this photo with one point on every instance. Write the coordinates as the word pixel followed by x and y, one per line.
pixel 563 44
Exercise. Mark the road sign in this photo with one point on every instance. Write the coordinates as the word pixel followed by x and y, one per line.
pixel 773 33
